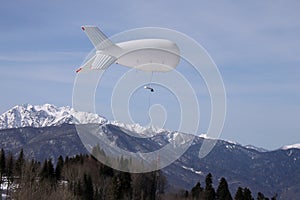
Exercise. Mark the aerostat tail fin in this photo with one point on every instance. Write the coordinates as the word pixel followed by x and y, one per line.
pixel 98 39
pixel 97 62
pixel 87 65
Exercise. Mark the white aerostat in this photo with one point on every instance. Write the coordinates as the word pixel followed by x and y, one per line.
pixel 153 55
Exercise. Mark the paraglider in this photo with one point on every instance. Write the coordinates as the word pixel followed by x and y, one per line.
pixel 153 55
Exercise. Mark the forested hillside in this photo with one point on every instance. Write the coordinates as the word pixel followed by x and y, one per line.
pixel 83 177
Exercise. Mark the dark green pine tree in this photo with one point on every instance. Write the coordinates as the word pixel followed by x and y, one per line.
pixel 223 192
pixel 247 194
pixel 261 196
pixel 239 195
pixel 2 166
pixel 59 167
pixel 50 170
pixel 2 163
pixel 88 189
pixel 47 171
pixel 67 160
pixel 243 194
pixel 210 193
pixel 196 191
pixel 43 173
pixel 10 166
pixel 19 166
pixel 186 194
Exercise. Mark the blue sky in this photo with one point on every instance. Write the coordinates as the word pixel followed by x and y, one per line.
pixel 255 45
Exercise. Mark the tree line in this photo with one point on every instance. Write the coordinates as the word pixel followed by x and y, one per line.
pixel 84 177
pixel 222 193
pixel 77 177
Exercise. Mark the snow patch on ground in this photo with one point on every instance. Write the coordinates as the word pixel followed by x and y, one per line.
pixel 192 169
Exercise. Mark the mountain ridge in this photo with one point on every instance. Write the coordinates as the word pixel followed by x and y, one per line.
pixel 27 115
pixel 55 134
pixel 268 172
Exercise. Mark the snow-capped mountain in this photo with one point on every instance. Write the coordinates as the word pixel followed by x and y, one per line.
pixel 46 115
pixel 27 115
pixel 38 116
pixel 55 134
pixel 270 172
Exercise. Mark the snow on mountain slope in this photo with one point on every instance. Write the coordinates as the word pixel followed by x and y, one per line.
pixel 140 130
pixel 292 146
pixel 27 115
pixel 45 115
pixel 259 149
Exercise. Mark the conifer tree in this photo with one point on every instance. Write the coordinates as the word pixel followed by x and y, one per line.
pixel 2 163
pixel 2 167
pixel 239 195
pixel 223 192
pixel 186 194
pixel 196 191
pixel 50 170
pixel 44 174
pixel 19 166
pixel 88 189
pixel 10 166
pixel 243 194
pixel 247 194
pixel 59 167
pixel 66 160
pixel 209 190
pixel 47 173
pixel 260 196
